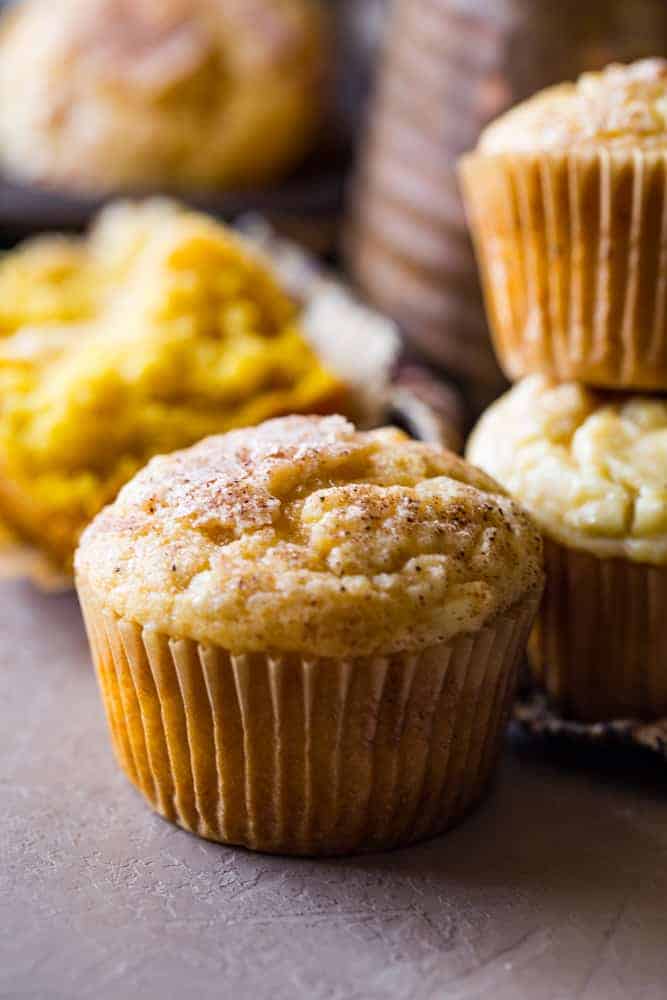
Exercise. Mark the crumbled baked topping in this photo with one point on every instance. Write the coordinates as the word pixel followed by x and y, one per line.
pixel 100 95
pixel 161 328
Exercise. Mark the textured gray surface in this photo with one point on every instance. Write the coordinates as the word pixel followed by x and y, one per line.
pixel 555 888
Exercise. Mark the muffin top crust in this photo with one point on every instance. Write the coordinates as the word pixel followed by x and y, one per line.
pixel 590 467
pixel 622 107
pixel 305 535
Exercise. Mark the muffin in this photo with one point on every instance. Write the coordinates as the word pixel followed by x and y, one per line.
pixel 592 470
pixel 99 95
pixel 566 199
pixel 165 328
pixel 307 636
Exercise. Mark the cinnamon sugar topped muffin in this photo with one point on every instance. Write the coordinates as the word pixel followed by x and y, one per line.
pixel 111 94
pixel 304 534
pixel 307 637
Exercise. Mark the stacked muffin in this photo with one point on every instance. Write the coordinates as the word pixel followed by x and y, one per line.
pixel 448 68
pixel 567 200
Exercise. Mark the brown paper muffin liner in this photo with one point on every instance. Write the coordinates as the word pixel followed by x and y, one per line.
pixel 599 645
pixel 306 756
pixel 573 255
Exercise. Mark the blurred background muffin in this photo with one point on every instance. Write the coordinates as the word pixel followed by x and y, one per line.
pixel 99 95
pixel 165 327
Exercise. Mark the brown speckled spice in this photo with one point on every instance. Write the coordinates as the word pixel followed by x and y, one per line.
pixel 304 535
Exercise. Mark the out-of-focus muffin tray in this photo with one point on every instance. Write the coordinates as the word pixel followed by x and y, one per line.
pixel 534 717
pixel 307 205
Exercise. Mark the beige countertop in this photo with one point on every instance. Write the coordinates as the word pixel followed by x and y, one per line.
pixel 554 888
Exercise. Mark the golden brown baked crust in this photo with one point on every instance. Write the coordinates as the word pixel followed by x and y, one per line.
pixel 112 94
pixel 591 468
pixel 622 107
pixel 305 535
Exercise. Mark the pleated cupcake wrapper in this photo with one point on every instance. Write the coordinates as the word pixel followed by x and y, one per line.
pixel 306 756
pixel 573 254
pixel 599 646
